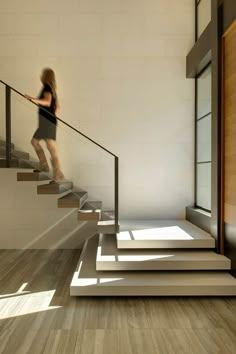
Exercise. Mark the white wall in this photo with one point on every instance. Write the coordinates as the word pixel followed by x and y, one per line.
pixel 121 73
pixel 33 221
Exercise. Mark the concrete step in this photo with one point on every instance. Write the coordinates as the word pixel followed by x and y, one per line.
pixel 14 162
pixel 109 258
pixel 90 211
pixel 32 176
pixel 107 227
pixel 54 187
pixel 107 215
pixel 28 164
pixel 89 282
pixel 151 234
pixel 19 163
pixel 73 200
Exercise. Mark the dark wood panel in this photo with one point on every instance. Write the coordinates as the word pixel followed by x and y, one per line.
pixel 229 126
pixel 230 214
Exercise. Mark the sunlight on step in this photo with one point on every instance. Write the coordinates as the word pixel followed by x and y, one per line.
pixel 159 233
pixel 91 281
pixel 22 288
pixel 128 258
pixel 142 258
pixel 24 303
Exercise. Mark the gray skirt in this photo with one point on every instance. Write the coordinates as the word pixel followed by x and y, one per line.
pixel 46 129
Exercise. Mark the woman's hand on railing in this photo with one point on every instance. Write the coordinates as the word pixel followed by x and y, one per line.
pixel 28 97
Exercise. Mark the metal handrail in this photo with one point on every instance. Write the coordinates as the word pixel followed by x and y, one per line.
pixel 8 143
pixel 59 119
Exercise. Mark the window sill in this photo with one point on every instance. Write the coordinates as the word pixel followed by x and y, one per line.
pixel 199 217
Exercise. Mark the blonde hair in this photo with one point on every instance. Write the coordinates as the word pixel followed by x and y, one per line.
pixel 49 78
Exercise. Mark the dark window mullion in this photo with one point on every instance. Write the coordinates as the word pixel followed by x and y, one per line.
pixel 205 116
pixel 202 162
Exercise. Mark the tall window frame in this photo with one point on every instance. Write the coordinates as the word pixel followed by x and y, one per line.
pixel 203 155
pixel 198 4
pixel 199 118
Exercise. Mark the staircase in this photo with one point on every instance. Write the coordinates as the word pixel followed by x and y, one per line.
pixel 72 198
pixel 145 258
pixel 136 258
pixel 153 258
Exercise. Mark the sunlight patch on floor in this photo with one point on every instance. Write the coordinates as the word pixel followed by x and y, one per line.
pixel 25 303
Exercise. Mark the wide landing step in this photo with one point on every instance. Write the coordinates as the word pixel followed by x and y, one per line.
pixel 162 234
pixel 109 258
pixel 89 282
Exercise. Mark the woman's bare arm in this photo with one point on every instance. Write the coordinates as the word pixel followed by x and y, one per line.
pixel 45 101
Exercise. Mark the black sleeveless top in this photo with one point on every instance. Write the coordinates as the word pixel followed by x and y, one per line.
pixel 51 109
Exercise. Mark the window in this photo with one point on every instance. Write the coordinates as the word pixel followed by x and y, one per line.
pixel 203 140
pixel 203 15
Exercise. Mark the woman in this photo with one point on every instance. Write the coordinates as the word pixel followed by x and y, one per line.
pixel 48 102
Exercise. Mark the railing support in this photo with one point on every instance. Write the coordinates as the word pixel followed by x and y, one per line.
pixel 117 194
pixel 8 126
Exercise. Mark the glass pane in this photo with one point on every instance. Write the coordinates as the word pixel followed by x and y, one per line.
pixel 204 15
pixel 204 93
pixel 204 139
pixel 204 186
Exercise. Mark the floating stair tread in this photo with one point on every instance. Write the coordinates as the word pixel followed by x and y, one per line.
pixel 89 282
pixel 14 153
pixel 54 187
pixel 28 164
pixel 91 207
pixel 3 144
pixel 163 234
pixel 73 200
pixel 18 163
pixel 91 211
pixel 107 215
pixel 32 176
pixel 14 162
pixel 107 227
pixel 110 258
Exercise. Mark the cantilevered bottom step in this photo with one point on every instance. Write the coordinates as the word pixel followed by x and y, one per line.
pixel 110 258
pixel 89 282
pixel 162 234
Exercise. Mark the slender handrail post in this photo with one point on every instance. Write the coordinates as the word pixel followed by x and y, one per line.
pixel 8 126
pixel 117 194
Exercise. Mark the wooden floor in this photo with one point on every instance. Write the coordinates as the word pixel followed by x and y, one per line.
pixel 37 315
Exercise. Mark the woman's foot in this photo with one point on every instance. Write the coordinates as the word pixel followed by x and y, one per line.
pixel 42 168
pixel 58 176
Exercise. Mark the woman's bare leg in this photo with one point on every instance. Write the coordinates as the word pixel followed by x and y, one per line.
pixel 57 174
pixel 41 155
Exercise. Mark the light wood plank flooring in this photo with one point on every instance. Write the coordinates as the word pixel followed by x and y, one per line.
pixel 37 314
